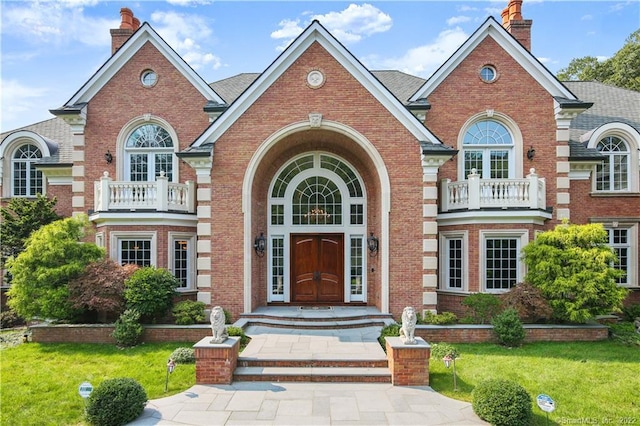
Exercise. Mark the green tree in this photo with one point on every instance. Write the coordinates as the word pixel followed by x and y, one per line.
pixel 53 255
pixel 573 267
pixel 622 69
pixel 20 218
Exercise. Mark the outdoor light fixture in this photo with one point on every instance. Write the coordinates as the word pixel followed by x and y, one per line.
pixel 531 153
pixel 372 244
pixel 108 157
pixel 259 244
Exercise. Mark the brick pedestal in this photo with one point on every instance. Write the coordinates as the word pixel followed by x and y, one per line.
pixel 215 363
pixel 409 364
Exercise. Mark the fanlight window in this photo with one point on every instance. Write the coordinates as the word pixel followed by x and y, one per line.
pixel 149 153
pixel 488 148
pixel 317 201
pixel 613 173
pixel 27 180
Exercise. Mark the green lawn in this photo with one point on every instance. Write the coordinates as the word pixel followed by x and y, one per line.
pixel 39 382
pixel 589 382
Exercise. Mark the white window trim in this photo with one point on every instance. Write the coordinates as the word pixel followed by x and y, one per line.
pixel 444 260
pixel 632 272
pixel 522 235
pixel 122 154
pixel 515 165
pixel 116 236
pixel 191 247
pixel 8 148
pixel 632 139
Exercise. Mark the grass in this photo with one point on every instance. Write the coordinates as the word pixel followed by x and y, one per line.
pixel 590 382
pixel 40 382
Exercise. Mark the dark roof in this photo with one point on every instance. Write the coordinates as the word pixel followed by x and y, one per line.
pixel 610 104
pixel 55 132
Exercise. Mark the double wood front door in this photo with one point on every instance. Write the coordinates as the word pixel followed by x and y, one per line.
pixel 317 268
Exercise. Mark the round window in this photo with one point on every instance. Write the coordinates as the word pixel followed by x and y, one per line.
pixel 488 73
pixel 149 78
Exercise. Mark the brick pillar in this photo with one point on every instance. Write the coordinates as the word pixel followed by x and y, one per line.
pixel 215 363
pixel 409 364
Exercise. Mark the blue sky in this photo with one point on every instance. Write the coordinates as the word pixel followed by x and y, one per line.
pixel 50 48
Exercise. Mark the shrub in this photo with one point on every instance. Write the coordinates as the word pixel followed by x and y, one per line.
pixel 150 291
pixel 391 330
pixel 481 307
pixel 508 328
pixel 184 355
pixel 439 319
pixel 228 319
pixel 116 402
pixel 528 301
pixel 189 312
pixel 631 312
pixel 9 319
pixel 128 330
pixel 502 403
pixel 441 350
pixel 238 332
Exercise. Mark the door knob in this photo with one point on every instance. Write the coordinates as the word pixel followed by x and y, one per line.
pixel 316 275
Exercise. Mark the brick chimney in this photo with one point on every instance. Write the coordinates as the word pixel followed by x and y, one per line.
pixel 513 22
pixel 128 25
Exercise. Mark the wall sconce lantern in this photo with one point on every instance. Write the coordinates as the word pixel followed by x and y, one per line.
pixel 531 153
pixel 108 157
pixel 372 244
pixel 259 245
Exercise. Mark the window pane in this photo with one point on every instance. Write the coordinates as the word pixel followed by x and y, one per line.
pixel 613 173
pixel 137 252
pixel 27 180
pixel 619 241
pixel 289 173
pixel 277 265
pixel 317 201
pixel 277 214
pixel 164 163
pixel 345 172
pixel 181 262
pixel 499 164
pixel 454 263
pixel 472 160
pixel 357 215
pixel 139 168
pixel 501 263
pixel 356 265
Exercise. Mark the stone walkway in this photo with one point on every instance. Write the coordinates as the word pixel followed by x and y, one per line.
pixel 293 403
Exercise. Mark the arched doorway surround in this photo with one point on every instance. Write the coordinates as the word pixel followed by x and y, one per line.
pixel 291 143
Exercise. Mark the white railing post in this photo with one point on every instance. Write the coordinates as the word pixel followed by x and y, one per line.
pixel 103 194
pixel 191 196
pixel 533 189
pixel 474 190
pixel 444 194
pixel 162 194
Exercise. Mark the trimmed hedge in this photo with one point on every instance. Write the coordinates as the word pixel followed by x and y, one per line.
pixel 502 403
pixel 116 402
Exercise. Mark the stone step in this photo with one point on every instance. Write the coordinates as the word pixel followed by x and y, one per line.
pixel 313 374
pixel 313 363
pixel 311 324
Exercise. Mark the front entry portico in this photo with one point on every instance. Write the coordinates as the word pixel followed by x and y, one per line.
pixel 317 268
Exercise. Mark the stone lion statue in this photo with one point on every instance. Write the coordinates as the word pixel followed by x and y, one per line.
pixel 218 328
pixel 408 329
pixel 636 324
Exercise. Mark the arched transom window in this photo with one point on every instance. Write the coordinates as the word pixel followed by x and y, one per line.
pixel 27 180
pixel 149 153
pixel 613 173
pixel 488 148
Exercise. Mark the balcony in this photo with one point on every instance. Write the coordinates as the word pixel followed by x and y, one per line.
pixel 161 195
pixel 476 193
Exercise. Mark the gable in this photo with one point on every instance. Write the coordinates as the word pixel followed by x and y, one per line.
pixel 315 33
pixel 145 34
pixel 492 29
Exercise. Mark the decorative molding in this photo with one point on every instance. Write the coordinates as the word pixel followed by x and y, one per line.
pixel 315 120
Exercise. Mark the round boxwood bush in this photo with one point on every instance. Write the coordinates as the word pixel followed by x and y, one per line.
pixel 184 355
pixel 508 328
pixel 502 403
pixel 116 402
pixel 189 312
pixel 150 291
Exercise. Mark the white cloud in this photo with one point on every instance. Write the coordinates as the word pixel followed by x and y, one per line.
pixel 455 20
pixel 423 60
pixel 586 18
pixel 58 23
pixel 185 33
pixel 349 25
pixel 18 100
pixel 189 2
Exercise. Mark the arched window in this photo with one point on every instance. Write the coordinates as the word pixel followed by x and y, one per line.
pixel 488 148
pixel 27 180
pixel 149 152
pixel 613 173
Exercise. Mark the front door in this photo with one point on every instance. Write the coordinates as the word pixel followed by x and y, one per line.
pixel 317 268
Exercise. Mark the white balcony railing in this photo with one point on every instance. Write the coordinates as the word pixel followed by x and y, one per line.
pixel 160 195
pixel 476 193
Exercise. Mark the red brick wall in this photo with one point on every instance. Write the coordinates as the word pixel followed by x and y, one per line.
pixel 63 196
pixel 534 333
pixel 290 100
